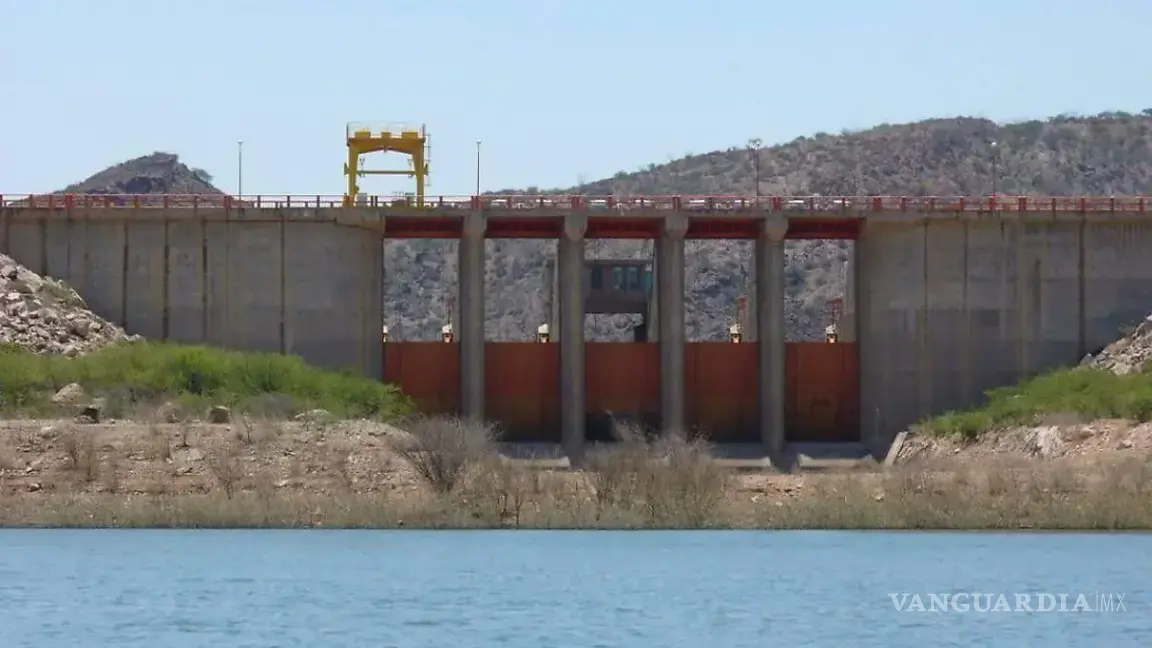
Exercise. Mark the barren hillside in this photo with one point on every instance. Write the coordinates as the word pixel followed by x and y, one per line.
pixel 158 173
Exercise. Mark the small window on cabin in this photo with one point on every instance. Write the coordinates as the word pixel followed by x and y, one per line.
pixel 618 278
pixel 633 279
pixel 597 279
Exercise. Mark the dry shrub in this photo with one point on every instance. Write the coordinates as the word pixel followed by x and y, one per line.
pixel 264 484
pixel 272 407
pixel 7 458
pixel 80 448
pixel 110 473
pixel 227 467
pixel 671 481
pixel 185 434
pixel 998 494
pixel 498 491
pixel 337 457
pixel 441 448
pixel 129 404
pixel 159 448
pixel 256 431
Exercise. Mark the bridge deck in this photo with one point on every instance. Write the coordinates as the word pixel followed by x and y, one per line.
pixel 640 217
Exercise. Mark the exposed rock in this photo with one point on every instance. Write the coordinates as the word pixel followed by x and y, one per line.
pixel 394 436
pixel 219 415
pixel 91 412
pixel 1129 354
pixel 168 413
pixel 314 416
pixel 1046 441
pixel 69 394
pixel 158 173
pixel 44 315
pixel 189 455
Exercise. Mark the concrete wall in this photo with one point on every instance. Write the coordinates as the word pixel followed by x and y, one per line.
pixel 948 308
pixel 291 281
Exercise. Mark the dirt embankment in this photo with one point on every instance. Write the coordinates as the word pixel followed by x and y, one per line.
pixel 312 473
pixel 130 458
pixel 306 456
pixel 1058 438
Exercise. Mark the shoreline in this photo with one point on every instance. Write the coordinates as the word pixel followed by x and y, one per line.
pixel 268 474
pixel 824 510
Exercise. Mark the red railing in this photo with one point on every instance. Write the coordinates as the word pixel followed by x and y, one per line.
pixel 720 204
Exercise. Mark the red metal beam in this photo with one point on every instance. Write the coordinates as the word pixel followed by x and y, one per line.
pixel 528 228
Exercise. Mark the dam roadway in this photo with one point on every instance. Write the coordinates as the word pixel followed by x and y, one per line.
pixel 947 297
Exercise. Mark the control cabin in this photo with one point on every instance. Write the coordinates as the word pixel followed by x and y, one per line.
pixel 617 286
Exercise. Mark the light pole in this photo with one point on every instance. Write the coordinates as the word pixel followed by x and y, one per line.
pixel 754 151
pixel 477 168
pixel 995 173
pixel 240 169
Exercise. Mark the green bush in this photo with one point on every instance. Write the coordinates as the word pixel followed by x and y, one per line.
pixel 149 371
pixel 1086 392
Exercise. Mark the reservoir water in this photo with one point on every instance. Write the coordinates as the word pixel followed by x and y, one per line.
pixel 365 589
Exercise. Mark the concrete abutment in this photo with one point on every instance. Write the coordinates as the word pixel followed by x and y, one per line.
pixel 281 281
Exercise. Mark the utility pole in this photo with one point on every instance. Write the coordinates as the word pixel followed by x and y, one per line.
pixel 240 169
pixel 477 168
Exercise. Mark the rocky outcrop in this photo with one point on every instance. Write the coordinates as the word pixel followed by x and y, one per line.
pixel 159 173
pixel 1129 354
pixel 44 315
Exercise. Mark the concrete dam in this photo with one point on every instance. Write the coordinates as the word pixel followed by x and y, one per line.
pixel 946 299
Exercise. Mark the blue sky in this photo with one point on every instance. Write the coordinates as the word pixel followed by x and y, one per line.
pixel 557 90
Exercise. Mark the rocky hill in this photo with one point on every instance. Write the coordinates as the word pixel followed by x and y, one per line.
pixel 1110 153
pixel 159 173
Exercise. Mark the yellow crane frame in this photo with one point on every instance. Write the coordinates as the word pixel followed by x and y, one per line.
pixel 395 138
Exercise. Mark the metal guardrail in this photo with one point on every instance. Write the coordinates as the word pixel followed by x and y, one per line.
pixel 711 204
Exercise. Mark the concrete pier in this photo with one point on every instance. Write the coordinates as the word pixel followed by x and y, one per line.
pixel 670 284
pixel 572 362
pixel 470 285
pixel 769 259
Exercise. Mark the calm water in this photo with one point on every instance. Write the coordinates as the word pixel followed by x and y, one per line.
pixel 320 589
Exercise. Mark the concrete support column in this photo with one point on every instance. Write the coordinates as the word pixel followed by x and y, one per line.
pixel 470 285
pixel 847 328
pixel 870 360
pixel 770 330
pixel 670 289
pixel 570 291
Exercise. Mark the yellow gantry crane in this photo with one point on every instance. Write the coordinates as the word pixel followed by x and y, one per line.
pixel 363 138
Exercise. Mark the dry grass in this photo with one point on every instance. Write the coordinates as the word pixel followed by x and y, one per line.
pixel 447 474
pixel 228 469
pixel 503 495
pixel 1106 495
pixel 83 457
pixel 666 482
